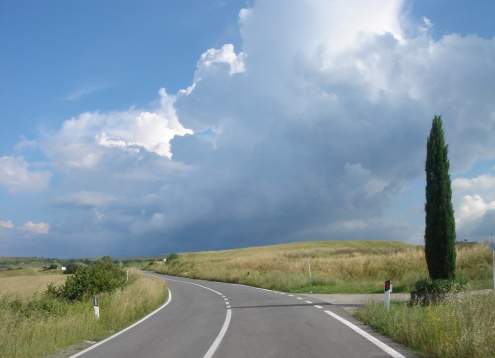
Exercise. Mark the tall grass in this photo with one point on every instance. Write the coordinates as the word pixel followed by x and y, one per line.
pixel 45 325
pixel 464 326
pixel 24 286
pixel 337 266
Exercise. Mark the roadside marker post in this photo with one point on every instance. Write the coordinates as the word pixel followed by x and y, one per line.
pixel 96 308
pixel 388 291
pixel 310 276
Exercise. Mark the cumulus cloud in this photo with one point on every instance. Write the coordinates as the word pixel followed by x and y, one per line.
pixel 474 200
pixel 36 228
pixel 330 116
pixel 84 141
pixel 15 175
pixel 224 56
pixel 6 224
pixel 306 131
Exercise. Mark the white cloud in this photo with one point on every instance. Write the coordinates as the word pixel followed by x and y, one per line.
pixel 472 208
pixel 226 56
pixel 83 142
pixel 86 199
pixel 311 126
pixel 330 116
pixel 483 185
pixel 474 200
pixel 15 175
pixel 6 224
pixel 36 228
pixel 83 91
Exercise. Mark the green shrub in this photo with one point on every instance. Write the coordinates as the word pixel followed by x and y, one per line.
pixel 102 276
pixel 172 257
pixel 72 268
pixel 429 291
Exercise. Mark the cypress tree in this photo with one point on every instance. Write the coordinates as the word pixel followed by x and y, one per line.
pixel 440 224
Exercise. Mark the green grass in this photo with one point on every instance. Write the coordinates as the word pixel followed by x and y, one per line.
pixel 44 325
pixel 463 326
pixel 337 266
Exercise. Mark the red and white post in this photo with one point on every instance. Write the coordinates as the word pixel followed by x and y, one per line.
pixel 386 297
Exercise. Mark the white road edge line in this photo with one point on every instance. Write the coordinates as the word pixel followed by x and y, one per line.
pixel 309 302
pixel 392 352
pixel 318 306
pixel 125 329
pixel 221 334
pixel 216 343
pixel 195 284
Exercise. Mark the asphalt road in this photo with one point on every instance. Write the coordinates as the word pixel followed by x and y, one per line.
pixel 209 319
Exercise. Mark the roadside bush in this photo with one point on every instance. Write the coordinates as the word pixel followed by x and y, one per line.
pixel 102 276
pixel 71 268
pixel 429 291
pixel 172 257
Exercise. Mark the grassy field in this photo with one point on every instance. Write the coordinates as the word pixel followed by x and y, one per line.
pixel 41 325
pixel 463 326
pixel 337 266
pixel 24 283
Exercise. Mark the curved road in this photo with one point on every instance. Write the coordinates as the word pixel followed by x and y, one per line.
pixel 210 319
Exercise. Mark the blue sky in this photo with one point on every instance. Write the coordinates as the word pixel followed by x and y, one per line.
pixel 60 60
pixel 114 54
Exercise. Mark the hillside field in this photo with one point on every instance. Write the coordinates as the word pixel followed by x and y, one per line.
pixel 336 266
pixel 23 283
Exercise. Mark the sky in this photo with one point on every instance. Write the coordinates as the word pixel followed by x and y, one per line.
pixel 144 128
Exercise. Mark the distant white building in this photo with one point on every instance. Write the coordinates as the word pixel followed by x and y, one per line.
pixel 63 268
pixel 165 260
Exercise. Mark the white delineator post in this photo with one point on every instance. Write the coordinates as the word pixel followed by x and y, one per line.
pixel 310 276
pixel 386 297
pixel 96 308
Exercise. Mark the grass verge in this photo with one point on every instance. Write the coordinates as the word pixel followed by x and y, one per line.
pixel 463 326
pixel 337 266
pixel 44 325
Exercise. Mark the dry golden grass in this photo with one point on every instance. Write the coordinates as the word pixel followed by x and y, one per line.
pixel 46 325
pixel 337 266
pixel 24 286
pixel 463 326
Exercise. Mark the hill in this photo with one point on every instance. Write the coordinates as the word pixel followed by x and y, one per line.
pixel 336 266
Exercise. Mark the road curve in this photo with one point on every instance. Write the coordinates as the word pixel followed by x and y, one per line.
pixel 211 319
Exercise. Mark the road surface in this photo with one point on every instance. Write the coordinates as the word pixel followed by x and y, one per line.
pixel 210 319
